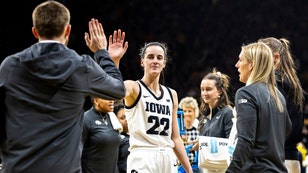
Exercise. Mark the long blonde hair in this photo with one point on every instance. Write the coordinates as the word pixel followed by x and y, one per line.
pixel 286 67
pixel 263 68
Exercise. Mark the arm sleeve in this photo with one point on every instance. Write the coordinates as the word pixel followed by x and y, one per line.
pixel 246 127
pixel 104 78
pixel 85 130
pixel 2 116
pixel 228 122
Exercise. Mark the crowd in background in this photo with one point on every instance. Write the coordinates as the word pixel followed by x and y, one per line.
pixel 200 34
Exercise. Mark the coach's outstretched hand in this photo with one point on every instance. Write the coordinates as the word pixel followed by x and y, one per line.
pixel 95 39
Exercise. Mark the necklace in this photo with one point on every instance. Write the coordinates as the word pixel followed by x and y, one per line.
pixel 104 118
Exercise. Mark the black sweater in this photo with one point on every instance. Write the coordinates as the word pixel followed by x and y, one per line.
pixel 296 116
pixel 45 87
pixel 262 131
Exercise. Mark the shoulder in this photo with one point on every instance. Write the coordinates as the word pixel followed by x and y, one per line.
pixel 172 90
pixel 88 119
pixel 89 114
pixel 252 95
pixel 132 92
pixel 248 91
pixel 173 94
pixel 227 112
pixel 131 84
pixel 12 60
pixel 228 108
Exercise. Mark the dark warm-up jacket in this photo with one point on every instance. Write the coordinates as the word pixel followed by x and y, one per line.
pixel 101 143
pixel 262 131
pixel 220 125
pixel 296 115
pixel 45 88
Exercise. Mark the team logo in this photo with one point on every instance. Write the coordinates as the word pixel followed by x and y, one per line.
pixel 97 122
pixel 242 101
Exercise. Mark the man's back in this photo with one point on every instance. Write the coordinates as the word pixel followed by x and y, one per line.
pixel 45 93
pixel 43 90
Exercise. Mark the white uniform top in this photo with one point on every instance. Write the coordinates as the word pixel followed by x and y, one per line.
pixel 149 119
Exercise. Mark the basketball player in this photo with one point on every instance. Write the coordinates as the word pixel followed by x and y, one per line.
pixel 151 112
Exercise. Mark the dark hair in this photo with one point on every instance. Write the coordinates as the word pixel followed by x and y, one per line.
pixel 164 47
pixel 222 83
pixel 146 45
pixel 118 105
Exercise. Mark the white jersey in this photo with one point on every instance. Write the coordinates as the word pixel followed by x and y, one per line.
pixel 149 119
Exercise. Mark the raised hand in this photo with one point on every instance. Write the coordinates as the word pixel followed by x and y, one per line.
pixel 117 48
pixel 95 39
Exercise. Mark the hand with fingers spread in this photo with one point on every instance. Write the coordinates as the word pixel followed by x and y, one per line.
pixel 117 47
pixel 95 39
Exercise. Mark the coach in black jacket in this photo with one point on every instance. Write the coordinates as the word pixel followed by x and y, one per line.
pixel 262 118
pixel 45 88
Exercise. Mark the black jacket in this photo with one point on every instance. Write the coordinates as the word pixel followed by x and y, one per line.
pixel 296 115
pixel 220 125
pixel 45 87
pixel 100 144
pixel 123 153
pixel 262 131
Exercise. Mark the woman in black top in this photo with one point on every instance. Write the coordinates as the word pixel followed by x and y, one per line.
pixel 99 138
pixel 216 110
pixel 262 117
pixel 290 86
